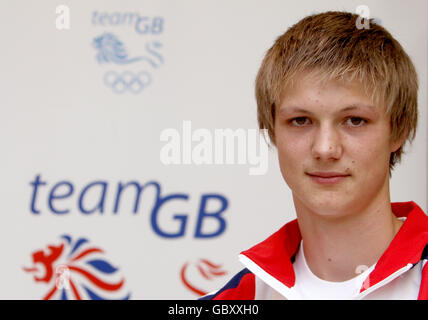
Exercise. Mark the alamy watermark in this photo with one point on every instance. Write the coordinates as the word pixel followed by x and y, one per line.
pixel 204 147
pixel 361 269
pixel 62 20
pixel 363 20
pixel 62 280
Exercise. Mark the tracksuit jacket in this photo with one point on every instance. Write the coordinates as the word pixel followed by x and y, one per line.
pixel 400 273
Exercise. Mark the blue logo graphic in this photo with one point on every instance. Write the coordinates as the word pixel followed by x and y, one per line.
pixel 111 50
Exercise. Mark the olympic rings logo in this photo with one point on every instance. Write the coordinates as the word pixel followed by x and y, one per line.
pixel 127 81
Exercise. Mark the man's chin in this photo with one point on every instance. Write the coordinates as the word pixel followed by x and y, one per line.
pixel 330 209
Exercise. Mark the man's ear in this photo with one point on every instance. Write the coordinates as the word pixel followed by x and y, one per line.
pixel 395 145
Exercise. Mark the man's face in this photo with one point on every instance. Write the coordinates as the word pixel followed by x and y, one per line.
pixel 333 129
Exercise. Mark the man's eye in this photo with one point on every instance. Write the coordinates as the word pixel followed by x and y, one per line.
pixel 356 121
pixel 299 121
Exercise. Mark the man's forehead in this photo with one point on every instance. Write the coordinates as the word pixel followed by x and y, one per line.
pixel 318 80
pixel 285 108
pixel 303 87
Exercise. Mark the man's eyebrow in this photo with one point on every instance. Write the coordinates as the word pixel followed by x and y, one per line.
pixel 353 106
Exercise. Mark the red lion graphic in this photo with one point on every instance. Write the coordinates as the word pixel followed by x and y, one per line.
pixel 62 275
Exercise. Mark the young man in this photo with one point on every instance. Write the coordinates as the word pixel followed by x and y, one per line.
pixel 338 103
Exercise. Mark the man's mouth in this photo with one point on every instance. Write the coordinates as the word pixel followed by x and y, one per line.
pixel 327 177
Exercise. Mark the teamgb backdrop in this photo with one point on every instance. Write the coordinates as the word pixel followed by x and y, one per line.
pixel 119 177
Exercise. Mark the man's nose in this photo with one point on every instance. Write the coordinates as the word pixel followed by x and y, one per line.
pixel 327 143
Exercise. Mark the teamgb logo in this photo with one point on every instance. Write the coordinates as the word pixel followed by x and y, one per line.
pixel 76 270
pixel 205 270
pixel 112 51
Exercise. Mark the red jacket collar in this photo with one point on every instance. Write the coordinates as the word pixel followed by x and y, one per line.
pixel 275 255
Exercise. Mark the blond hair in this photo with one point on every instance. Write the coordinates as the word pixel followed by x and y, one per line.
pixel 330 45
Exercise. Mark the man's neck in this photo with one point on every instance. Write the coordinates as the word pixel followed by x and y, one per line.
pixel 338 249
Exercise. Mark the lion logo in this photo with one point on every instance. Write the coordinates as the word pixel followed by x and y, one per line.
pixel 76 270
pixel 111 49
